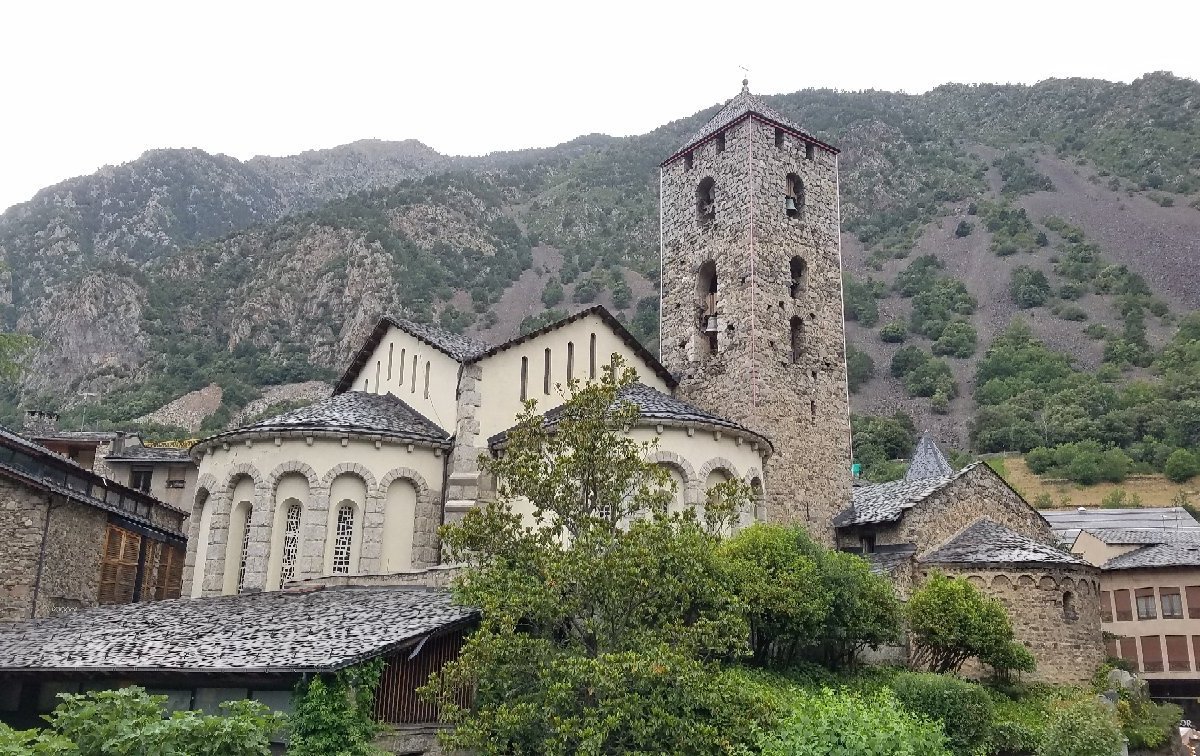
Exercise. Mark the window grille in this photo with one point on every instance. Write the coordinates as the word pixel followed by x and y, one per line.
pixel 291 541
pixel 341 543
pixel 245 549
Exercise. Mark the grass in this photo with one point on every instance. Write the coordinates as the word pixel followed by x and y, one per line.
pixel 1154 490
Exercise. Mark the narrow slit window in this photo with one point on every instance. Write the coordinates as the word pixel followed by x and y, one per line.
pixel 570 361
pixel 366 385
pixel 687 161
pixel 427 379
pixel 706 199
pixel 721 142
pixel 343 537
pixel 524 378
pixel 592 357
pixel 808 150
pixel 793 195
pixel 391 347
pixel 378 372
pixel 706 290
pixel 797 339
pixel 245 550
pixel 799 273
pixel 779 138
pixel 400 378
pixel 414 374
pixel 546 375
pixel 291 544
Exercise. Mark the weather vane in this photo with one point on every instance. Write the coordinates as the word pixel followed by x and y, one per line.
pixel 745 77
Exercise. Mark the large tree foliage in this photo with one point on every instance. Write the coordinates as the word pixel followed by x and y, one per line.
pixel 336 715
pixel 603 618
pixel 951 621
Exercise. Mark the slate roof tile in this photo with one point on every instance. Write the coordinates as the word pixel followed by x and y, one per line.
pixel 1146 535
pixel 278 630
pixel 1181 554
pixel 742 104
pixel 138 453
pixel 887 502
pixel 928 461
pixel 1068 522
pixel 988 542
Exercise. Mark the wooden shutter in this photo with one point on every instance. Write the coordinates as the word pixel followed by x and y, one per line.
pixel 1152 656
pixel 169 573
pixel 1129 651
pixel 1177 654
pixel 1192 594
pixel 118 566
pixel 1124 607
pixel 1106 614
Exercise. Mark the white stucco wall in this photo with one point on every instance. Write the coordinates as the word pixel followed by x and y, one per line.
pixel 318 472
pixel 390 369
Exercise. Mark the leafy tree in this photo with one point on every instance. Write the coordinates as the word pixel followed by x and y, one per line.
pixel 601 616
pixel 130 722
pixel 1082 728
pixel 919 276
pixel 828 723
pixel 907 359
pixel 861 297
pixel 931 378
pixel 894 332
pixel 552 294
pixel 951 621
pixel 957 340
pixel 1029 287
pixel 860 368
pixel 963 229
pixel 935 308
pixel 336 716
pixel 1182 465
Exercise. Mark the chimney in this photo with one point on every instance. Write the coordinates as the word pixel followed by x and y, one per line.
pixel 118 444
pixel 40 422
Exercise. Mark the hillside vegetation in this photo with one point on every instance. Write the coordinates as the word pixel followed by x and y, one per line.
pixel 1071 206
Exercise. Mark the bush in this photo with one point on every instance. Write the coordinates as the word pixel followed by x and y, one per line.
pixel 1029 287
pixel 1082 728
pixel 894 332
pixel 552 294
pixel 951 621
pixel 1181 465
pixel 1096 331
pixel 964 708
pixel 843 723
pixel 964 229
pixel 860 368
pixel 930 378
pixel 958 339
pixel 1071 312
pixel 907 359
pixel 1019 725
pixel 860 300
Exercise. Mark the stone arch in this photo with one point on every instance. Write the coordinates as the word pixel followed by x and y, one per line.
pixel 402 472
pixel 685 471
pixel 242 469
pixel 351 467
pixel 425 547
pixel 208 481
pixel 1024 581
pixel 717 463
pixel 293 466
pixel 1047 583
pixel 976 581
pixel 1001 582
pixel 199 525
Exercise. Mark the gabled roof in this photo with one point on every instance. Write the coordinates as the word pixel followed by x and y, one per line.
pixel 653 405
pixel 891 561
pixel 350 412
pixel 456 346
pixel 467 350
pixel 927 461
pixel 887 502
pixel 1144 536
pixel 1068 522
pixel 273 631
pixel 1183 554
pixel 988 542
pixel 138 453
pixel 743 106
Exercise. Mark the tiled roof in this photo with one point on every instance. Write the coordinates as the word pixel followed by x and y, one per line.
pixel 987 542
pixel 654 405
pixel 889 562
pixel 1068 522
pixel 1157 555
pixel 928 461
pixel 1126 536
pixel 352 412
pixel 139 453
pixel 887 502
pixel 270 631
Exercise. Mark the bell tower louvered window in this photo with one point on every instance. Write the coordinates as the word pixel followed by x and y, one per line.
pixel 343 538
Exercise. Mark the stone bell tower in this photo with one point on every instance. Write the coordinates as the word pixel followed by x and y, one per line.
pixel 751 309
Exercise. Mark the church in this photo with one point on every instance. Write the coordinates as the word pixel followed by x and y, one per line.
pixel 348 494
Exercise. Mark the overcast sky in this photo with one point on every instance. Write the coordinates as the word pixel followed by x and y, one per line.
pixel 94 83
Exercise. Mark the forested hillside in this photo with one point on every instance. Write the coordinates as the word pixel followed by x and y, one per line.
pixel 1071 208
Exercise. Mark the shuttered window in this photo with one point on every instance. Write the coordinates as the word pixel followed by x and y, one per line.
pixel 1106 614
pixel 1124 606
pixel 118 566
pixel 1177 654
pixel 1129 651
pixel 1192 593
pixel 168 574
pixel 1152 656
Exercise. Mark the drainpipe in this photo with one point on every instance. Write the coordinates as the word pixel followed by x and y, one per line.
pixel 37 581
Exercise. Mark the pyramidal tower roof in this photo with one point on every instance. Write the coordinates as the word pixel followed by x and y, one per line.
pixel 744 105
pixel 928 461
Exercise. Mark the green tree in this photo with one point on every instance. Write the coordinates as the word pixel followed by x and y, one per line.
pixel 963 229
pixel 957 340
pixel 963 708
pixel 336 715
pixel 860 368
pixel 130 722
pixel 951 621
pixel 1182 465
pixel 601 616
pixel 552 293
pixel 1029 287
pixel 13 349
pixel 907 359
pixel 1082 728
pixel 894 332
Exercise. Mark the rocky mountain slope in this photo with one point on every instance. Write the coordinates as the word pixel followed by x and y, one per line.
pixel 182 269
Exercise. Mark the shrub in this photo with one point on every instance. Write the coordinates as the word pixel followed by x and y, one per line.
pixel 894 332
pixel 1028 287
pixel 1181 465
pixel 552 294
pixel 963 229
pixel 833 724
pixel 860 300
pixel 1018 725
pixel 919 275
pixel 1071 312
pixel 958 339
pixel 860 368
pixel 964 708
pixel 930 378
pixel 951 621
pixel 907 359
pixel 1096 331
pixel 935 308
pixel 1082 728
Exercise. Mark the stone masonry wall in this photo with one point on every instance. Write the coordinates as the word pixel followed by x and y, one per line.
pixel 70 564
pixel 975 494
pixel 801 406
pixel 1067 646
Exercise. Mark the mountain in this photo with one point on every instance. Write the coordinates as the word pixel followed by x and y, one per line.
pixel 180 269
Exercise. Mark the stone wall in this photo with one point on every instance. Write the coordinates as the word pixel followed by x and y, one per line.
pixel 74 537
pixel 801 404
pixel 977 493
pixel 1068 646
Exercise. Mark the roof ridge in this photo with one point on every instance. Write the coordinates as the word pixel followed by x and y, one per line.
pixel 928 461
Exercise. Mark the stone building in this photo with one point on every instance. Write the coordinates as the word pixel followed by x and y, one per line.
pixel 74 539
pixel 751 302
pixel 970 523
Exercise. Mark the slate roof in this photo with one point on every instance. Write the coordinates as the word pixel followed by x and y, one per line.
pixel 1068 522
pixel 738 108
pixel 988 542
pixel 300 630
pixel 653 405
pixel 98 437
pixel 887 502
pixel 1157 555
pixel 928 461
pixel 139 453
pixel 351 412
pixel 889 562
pixel 1145 536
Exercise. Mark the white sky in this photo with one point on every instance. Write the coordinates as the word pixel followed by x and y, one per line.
pixel 92 83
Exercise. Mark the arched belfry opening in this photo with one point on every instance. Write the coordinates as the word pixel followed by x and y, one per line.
pixel 793 196
pixel 706 294
pixel 799 276
pixel 797 338
pixel 706 199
